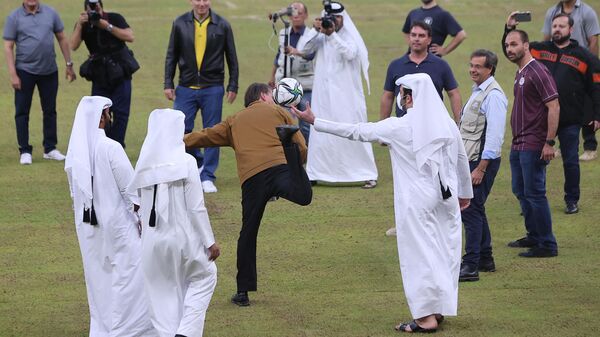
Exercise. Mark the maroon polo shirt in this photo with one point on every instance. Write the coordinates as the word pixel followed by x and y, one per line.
pixel 534 87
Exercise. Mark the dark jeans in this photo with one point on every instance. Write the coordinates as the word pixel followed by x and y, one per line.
pixel 305 126
pixel 210 102
pixel 478 241
pixel 121 99
pixel 569 148
pixel 48 88
pixel 589 138
pixel 288 181
pixel 529 186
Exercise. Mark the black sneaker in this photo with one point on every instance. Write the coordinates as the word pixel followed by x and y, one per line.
pixel 487 266
pixel 571 208
pixel 539 252
pixel 522 243
pixel 468 274
pixel 285 133
pixel 241 299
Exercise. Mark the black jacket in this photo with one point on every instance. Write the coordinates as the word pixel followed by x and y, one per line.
pixel 181 51
pixel 576 72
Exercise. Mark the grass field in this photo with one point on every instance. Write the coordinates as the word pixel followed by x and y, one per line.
pixel 326 269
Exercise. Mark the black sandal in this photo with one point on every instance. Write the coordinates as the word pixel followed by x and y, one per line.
pixel 414 327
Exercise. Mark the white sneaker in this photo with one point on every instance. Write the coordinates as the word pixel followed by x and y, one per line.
pixel 391 231
pixel 25 158
pixel 588 155
pixel 54 155
pixel 209 187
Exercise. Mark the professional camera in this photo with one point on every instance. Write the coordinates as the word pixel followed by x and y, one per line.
pixel 93 15
pixel 288 11
pixel 331 10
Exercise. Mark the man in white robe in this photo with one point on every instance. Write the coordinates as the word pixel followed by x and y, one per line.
pixel 178 245
pixel 107 227
pixel 338 96
pixel 432 183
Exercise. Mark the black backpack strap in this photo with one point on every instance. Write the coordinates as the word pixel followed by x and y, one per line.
pixel 152 222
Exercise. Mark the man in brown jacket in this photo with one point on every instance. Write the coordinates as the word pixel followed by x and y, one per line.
pixel 265 167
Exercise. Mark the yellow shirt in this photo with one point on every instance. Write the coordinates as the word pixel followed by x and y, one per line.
pixel 200 33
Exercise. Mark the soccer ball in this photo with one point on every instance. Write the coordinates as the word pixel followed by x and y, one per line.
pixel 288 92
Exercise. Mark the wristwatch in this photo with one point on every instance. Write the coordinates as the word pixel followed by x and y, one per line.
pixel 69 63
pixel 550 142
pixel 109 28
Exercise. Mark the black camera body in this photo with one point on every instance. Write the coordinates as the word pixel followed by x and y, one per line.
pixel 328 20
pixel 93 16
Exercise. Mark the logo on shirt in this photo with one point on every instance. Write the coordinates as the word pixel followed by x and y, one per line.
pixel 428 20
pixel 522 81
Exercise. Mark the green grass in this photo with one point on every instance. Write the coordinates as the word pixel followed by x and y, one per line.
pixel 326 269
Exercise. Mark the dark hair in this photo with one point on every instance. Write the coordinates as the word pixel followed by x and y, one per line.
pixel 491 60
pixel 522 34
pixel 254 91
pixel 564 15
pixel 423 25
pixel 407 91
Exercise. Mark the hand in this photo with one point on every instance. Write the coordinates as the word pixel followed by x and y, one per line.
pixel 437 49
pixel 83 18
pixel 214 252
pixel 317 24
pixel 306 115
pixel 595 124
pixel 15 81
pixel 231 97
pixel 271 83
pixel 292 51
pixel 70 74
pixel 547 152
pixel 464 203
pixel 477 176
pixel 511 22
pixel 170 94
pixel 328 31
pixel 102 24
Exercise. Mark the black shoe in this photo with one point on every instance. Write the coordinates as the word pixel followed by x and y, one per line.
pixel 178 335
pixel 468 274
pixel 571 208
pixel 522 243
pixel 285 133
pixel 241 299
pixel 539 252
pixel 487 266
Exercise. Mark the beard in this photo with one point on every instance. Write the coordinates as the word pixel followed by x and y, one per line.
pixel 516 57
pixel 561 39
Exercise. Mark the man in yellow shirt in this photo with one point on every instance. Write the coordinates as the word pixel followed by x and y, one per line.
pixel 201 75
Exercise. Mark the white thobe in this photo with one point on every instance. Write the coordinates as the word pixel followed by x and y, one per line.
pixel 179 278
pixel 338 96
pixel 111 250
pixel 428 227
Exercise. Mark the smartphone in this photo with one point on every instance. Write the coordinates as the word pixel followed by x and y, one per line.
pixel 522 16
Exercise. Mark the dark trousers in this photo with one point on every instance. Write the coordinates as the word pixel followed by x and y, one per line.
pixel 569 148
pixel 589 138
pixel 288 181
pixel 478 240
pixel 120 96
pixel 529 186
pixel 210 102
pixel 48 88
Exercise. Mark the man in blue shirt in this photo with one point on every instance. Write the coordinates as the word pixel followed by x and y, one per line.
pixel 442 24
pixel 482 130
pixel 32 28
pixel 419 60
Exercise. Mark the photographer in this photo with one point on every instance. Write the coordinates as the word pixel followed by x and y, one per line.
pixel 110 64
pixel 299 65
pixel 341 56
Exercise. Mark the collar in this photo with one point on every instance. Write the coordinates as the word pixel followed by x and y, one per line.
pixel 300 32
pixel 484 84
pixel 559 6
pixel 214 18
pixel 426 59
pixel 525 66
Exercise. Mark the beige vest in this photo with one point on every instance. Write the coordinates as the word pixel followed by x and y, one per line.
pixel 473 123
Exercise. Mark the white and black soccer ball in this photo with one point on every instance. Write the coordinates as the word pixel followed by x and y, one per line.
pixel 288 92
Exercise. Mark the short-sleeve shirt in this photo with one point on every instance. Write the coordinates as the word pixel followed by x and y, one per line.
pixel 33 34
pixel 434 66
pixel 99 41
pixel 585 22
pixel 441 21
pixel 534 87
